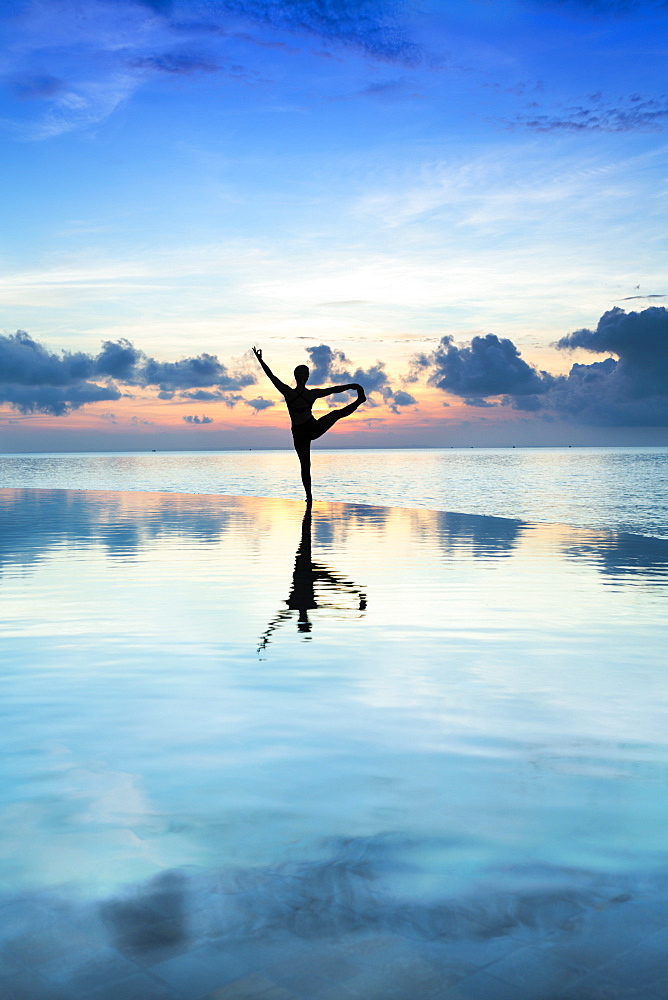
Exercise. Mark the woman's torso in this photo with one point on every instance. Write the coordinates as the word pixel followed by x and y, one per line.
pixel 300 403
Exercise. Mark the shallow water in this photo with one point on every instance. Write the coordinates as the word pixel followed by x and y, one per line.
pixel 613 489
pixel 442 733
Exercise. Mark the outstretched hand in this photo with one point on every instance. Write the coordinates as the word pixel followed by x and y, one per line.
pixel 258 353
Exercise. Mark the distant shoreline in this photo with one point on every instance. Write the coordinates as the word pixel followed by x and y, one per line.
pixel 429 448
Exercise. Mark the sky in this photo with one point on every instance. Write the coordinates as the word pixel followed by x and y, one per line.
pixel 461 205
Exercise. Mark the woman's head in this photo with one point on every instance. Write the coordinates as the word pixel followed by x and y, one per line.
pixel 301 374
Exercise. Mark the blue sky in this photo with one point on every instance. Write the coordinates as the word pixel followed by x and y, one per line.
pixel 390 180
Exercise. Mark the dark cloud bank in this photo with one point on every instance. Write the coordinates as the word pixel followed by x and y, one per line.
pixel 36 380
pixel 629 388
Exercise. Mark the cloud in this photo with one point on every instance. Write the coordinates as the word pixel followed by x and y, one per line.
pixel 635 114
pixel 401 398
pixel 387 91
pixel 24 361
pixel 206 396
pixel 192 419
pixel 629 298
pixel 34 379
pixel 118 359
pixel 329 365
pixel 52 399
pixel 629 390
pixel 479 402
pixel 641 339
pixel 176 63
pixel 369 25
pixel 383 88
pixel 122 361
pixel 83 60
pixel 201 371
pixel 326 363
pixel 259 403
pixel 77 104
pixel 487 367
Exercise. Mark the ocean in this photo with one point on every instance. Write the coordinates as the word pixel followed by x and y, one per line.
pixel 610 489
pixel 364 751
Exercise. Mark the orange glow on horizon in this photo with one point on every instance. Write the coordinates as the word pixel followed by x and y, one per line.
pixel 144 413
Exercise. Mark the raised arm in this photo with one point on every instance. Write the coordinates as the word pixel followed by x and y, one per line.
pixel 281 386
pixel 319 393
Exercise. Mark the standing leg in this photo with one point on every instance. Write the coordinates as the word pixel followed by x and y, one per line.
pixel 303 449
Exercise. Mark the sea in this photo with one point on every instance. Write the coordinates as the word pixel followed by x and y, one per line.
pixel 407 744
pixel 610 489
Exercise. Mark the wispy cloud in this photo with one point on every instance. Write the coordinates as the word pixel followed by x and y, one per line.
pixel 77 65
pixel 74 106
pixel 629 298
pixel 371 25
pixel 635 114
pixel 176 63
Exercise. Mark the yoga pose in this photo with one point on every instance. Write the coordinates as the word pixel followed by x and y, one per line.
pixel 306 427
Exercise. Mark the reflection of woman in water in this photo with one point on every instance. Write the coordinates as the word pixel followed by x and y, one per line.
pixel 307 578
pixel 306 427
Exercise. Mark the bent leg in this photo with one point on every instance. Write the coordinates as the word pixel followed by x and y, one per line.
pixel 329 419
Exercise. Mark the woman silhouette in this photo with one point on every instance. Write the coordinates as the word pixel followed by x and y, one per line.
pixel 306 427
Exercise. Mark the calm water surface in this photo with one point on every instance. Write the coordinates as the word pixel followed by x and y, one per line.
pixel 619 489
pixel 222 723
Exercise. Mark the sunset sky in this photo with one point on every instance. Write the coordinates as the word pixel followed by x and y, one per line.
pixel 425 197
